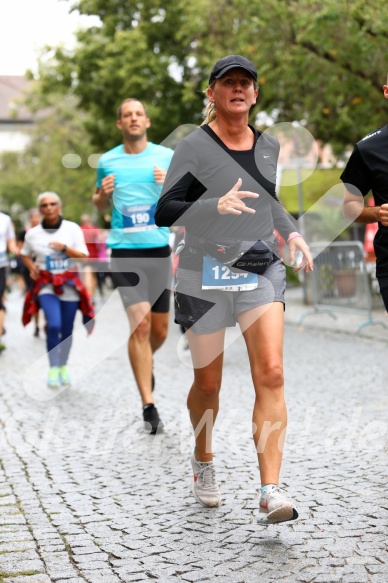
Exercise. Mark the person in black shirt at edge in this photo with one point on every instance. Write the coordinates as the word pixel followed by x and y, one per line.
pixel 215 190
pixel 367 170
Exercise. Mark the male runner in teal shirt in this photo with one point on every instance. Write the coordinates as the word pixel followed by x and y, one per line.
pixel 131 176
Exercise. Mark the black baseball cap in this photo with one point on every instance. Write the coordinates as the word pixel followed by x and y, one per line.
pixel 224 65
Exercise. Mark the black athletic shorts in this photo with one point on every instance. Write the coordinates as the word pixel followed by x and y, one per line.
pixel 143 275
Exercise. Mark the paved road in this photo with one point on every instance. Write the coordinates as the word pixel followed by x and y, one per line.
pixel 85 495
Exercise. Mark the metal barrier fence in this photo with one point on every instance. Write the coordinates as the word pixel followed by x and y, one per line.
pixel 341 281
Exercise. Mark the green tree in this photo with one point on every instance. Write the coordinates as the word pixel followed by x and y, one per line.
pixel 323 62
pixel 319 61
pixel 57 159
pixel 126 57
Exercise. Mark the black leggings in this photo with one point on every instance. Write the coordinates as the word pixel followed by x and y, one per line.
pixel 3 276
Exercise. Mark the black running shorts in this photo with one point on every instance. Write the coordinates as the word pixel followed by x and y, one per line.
pixel 143 275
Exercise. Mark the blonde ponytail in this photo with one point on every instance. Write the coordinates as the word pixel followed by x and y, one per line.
pixel 210 110
pixel 210 114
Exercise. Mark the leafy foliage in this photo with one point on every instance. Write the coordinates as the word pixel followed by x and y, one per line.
pixel 313 187
pixel 42 166
pixel 322 62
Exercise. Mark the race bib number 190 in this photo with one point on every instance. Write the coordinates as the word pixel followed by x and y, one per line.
pixel 139 218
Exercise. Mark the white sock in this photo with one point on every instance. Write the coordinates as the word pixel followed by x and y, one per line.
pixel 263 489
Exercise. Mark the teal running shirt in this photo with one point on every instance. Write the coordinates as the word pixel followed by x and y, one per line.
pixel 135 196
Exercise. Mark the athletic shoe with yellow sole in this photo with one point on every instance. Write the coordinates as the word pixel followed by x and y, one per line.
pixel 64 375
pixel 54 381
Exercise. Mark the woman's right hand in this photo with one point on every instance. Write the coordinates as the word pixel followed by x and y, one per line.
pixel 231 203
pixel 34 271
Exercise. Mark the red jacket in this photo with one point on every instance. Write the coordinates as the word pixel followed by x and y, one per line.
pixel 31 302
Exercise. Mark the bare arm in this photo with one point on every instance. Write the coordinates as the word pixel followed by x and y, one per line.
pixel 102 196
pixel 353 208
pixel 12 246
pixel 31 266
pixel 69 251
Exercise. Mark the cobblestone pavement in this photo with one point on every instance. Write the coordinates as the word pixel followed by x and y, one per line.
pixel 85 495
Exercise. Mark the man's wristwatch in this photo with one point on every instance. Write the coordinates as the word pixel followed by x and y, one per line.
pixel 64 249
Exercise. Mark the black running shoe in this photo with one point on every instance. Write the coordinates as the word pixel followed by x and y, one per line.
pixel 152 422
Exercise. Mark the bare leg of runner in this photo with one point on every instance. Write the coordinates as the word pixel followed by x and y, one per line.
pixel 263 333
pixel 139 348
pixel 203 398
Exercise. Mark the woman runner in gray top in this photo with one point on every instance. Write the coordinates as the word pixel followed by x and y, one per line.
pixel 221 188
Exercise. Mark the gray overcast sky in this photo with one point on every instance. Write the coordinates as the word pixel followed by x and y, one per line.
pixel 27 25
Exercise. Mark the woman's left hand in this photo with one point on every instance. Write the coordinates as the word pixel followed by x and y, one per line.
pixel 56 245
pixel 299 244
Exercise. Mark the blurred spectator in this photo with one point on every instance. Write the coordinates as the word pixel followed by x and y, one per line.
pixel 177 237
pixel 47 253
pixel 33 220
pixel 103 272
pixel 7 245
pixel 90 268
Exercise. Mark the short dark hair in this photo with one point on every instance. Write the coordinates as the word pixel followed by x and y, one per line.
pixel 129 99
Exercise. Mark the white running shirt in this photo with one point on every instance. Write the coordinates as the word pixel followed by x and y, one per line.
pixel 6 233
pixel 36 244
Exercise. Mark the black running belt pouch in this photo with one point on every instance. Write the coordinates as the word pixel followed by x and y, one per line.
pixel 256 259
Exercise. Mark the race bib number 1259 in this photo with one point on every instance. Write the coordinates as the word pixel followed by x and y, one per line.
pixel 216 275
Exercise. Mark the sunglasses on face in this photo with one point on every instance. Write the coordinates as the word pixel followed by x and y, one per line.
pixel 46 204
